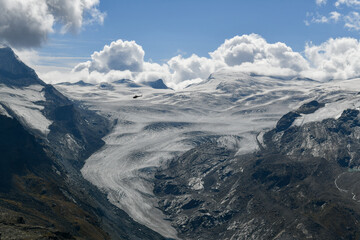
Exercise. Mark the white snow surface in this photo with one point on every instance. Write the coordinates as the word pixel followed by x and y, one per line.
pixel 196 184
pixel 22 102
pixel 162 124
pixel 330 110
pixel 4 112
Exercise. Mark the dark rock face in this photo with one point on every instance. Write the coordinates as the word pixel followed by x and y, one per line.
pixel 106 86
pixel 32 194
pixel 127 82
pixel 19 151
pixel 335 140
pixel 302 184
pixel 310 107
pixel 13 72
pixel 79 83
pixel 158 84
pixel 286 121
pixel 72 125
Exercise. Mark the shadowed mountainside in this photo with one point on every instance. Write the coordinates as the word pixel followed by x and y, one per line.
pixel 42 192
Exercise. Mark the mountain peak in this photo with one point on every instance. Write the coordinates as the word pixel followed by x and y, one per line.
pixel 158 84
pixel 14 72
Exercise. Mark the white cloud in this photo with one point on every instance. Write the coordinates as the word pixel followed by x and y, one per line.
pixel 320 19
pixel 121 59
pixel 119 55
pixel 254 50
pixel 250 53
pixel 192 68
pixel 71 13
pixel 240 49
pixel 334 59
pixel 348 3
pixel 335 16
pixel 28 23
pixel 321 2
pixel 345 11
pixel 352 21
pixel 152 72
pixel 29 56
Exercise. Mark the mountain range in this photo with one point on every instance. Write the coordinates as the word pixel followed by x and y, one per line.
pixel 237 156
pixel 45 139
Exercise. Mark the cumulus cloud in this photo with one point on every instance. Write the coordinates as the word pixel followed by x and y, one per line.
pixel 253 49
pixel 192 68
pixel 240 49
pixel 249 53
pixel 334 59
pixel 28 23
pixel 119 55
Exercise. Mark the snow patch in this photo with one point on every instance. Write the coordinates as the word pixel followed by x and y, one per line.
pixel 22 102
pixel 330 110
pixel 4 112
pixel 196 184
pixel 260 139
pixel 229 142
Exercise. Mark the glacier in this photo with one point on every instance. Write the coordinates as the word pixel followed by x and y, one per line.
pixel 232 108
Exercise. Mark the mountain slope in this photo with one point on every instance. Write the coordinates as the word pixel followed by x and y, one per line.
pixel 45 139
pixel 214 135
pixel 162 124
pixel 13 72
pixel 290 189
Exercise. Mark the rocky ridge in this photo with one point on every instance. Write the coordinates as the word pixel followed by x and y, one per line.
pixel 42 192
pixel 301 184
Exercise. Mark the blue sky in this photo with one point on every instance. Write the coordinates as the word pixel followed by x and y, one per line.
pixel 165 28
pixel 183 42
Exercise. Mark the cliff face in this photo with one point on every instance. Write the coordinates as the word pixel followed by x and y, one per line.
pixel 13 72
pixel 336 140
pixel 35 201
pixel 44 140
pixel 302 183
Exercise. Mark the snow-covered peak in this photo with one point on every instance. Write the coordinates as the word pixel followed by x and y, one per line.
pixel 158 84
pixel 21 91
pixel 240 86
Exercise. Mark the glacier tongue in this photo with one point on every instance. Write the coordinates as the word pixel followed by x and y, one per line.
pixel 163 124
